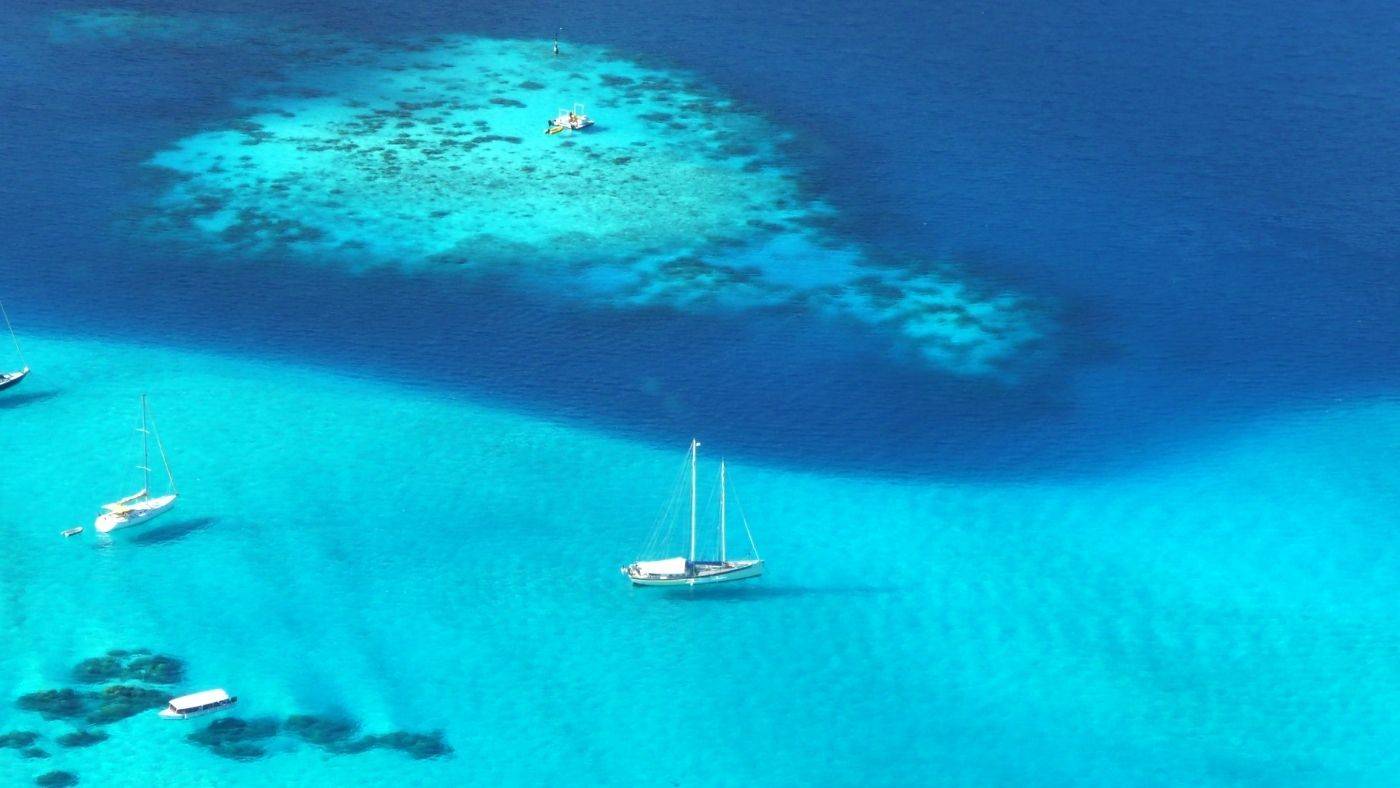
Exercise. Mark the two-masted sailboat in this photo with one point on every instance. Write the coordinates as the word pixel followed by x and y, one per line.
pixel 140 506
pixel 8 379
pixel 690 571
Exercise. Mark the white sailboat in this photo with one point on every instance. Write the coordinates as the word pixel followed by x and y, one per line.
pixel 8 379
pixel 690 571
pixel 140 506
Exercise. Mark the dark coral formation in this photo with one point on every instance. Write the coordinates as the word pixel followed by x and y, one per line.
pixel 235 738
pixel 419 746
pixel 113 703
pixel 242 739
pixel 56 779
pixel 82 738
pixel 17 740
pixel 324 731
pixel 122 665
pixel 97 670
pixel 56 704
pixel 123 700
pixel 157 669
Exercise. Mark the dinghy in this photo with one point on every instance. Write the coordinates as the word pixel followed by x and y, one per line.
pixel 140 506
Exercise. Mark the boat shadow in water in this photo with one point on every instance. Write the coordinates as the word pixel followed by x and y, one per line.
pixel 172 532
pixel 10 401
pixel 747 592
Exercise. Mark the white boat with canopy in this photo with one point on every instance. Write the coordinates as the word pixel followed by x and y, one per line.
pixel 691 571
pixel 569 120
pixel 198 703
pixel 140 506
pixel 13 377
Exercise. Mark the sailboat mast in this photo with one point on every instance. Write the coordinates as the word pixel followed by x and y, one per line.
pixel 13 337
pixel 721 511
pixel 694 450
pixel 145 450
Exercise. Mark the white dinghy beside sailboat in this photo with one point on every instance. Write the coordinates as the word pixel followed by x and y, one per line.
pixel 683 571
pixel 140 506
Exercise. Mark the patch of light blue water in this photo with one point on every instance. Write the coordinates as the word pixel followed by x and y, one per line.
pixel 422 563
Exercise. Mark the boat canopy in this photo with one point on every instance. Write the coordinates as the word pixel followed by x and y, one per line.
pixel 666 566
pixel 186 702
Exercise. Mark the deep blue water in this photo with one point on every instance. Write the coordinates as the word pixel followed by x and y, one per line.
pixel 1200 193
pixel 1205 198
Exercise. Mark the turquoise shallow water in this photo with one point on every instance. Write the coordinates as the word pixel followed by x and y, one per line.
pixel 423 562
pixel 1052 349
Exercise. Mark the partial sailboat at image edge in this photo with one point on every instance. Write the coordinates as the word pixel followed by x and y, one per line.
pixel 683 571
pixel 8 379
pixel 140 506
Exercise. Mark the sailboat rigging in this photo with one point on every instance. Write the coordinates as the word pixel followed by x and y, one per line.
pixel 8 379
pixel 690 571
pixel 140 506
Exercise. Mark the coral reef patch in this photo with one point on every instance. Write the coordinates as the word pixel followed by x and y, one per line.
pixel 419 746
pixel 430 156
pixel 122 665
pixel 241 739
pixel 17 740
pixel 56 779
pixel 398 137
pixel 324 731
pixel 336 734
pixel 113 703
pixel 55 704
pixel 120 701
pixel 235 738
pixel 82 738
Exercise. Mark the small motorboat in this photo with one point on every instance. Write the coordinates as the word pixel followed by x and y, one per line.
pixel 74 531
pixel 205 702
pixel 569 120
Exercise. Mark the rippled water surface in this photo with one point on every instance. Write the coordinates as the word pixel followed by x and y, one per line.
pixel 1052 352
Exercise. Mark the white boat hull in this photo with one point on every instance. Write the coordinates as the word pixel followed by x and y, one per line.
pixel 197 704
pixel 167 714
pixel 8 379
pixel 699 574
pixel 136 514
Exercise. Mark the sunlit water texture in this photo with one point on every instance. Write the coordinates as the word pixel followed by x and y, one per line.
pixel 402 564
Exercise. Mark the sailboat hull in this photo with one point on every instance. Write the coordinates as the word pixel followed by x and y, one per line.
pixel 698 574
pixel 8 379
pixel 136 514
